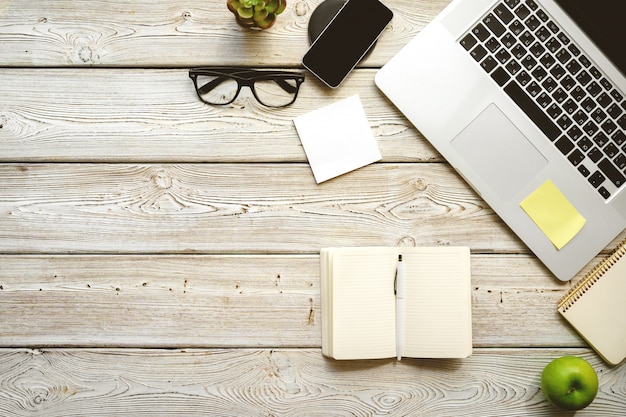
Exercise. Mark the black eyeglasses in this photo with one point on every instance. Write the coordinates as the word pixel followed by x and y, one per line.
pixel 221 85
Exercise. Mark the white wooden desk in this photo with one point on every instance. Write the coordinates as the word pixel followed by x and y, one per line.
pixel 159 257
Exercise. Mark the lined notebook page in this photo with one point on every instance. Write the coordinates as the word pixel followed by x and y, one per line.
pixel 437 306
pixel 363 303
pixel 599 315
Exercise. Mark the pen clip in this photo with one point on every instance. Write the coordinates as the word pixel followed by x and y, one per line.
pixel 395 281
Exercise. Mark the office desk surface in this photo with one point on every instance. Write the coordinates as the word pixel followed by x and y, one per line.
pixel 160 257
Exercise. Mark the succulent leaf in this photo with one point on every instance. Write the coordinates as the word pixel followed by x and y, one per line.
pixel 256 13
pixel 245 12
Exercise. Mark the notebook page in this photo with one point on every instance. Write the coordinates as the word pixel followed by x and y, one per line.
pixel 600 314
pixel 363 303
pixel 437 306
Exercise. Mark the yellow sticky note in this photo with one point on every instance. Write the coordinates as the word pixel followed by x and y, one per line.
pixel 557 218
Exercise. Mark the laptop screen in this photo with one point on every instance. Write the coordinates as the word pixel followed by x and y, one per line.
pixel 603 21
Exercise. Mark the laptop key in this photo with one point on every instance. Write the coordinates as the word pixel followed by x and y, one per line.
pixel 619 138
pixel 532 110
pixel 503 56
pixel 500 76
pixel 494 25
pixel 580 117
pixel 570 106
pixel 549 84
pixel 492 44
pixel 564 145
pixel 523 78
pixel 611 172
pixel 574 49
pixel 560 95
pixel 588 104
pixel 534 89
pixel 564 121
pixel 481 32
pixel 616 95
pixel 576 157
pixel 489 64
pixel 590 128
pixel 512 3
pixel 611 150
pixel 553 45
pixel 583 78
pixel 527 38
pixel 543 34
pixel 595 154
pixel 503 13
pixel 604 192
pixel 516 27
pixel 547 60
pixel 585 61
pixel 603 99
pixel 544 100
pixel 620 161
pixel 596 179
pixel 554 110
pixel 542 16
pixel 601 139
pixel 614 110
pixel 609 127
pixel 553 27
pixel 468 41
pixel 583 170
pixel 578 93
pixel 478 53
pixel 522 12
pixel 513 67
pixel 598 115
pixel 585 144
pixel 575 133
pixel 533 23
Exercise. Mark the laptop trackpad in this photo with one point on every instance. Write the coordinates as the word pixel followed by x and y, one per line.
pixel 498 152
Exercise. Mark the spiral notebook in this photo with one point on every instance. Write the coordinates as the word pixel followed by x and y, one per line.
pixel 596 306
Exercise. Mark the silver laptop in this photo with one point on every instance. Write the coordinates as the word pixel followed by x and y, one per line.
pixel 517 94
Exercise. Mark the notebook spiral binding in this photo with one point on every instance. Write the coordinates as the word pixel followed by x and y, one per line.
pixel 591 278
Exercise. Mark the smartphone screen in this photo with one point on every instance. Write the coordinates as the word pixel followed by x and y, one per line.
pixel 346 39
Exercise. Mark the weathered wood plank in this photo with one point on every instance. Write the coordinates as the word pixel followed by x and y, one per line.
pixel 239 208
pixel 230 301
pixel 167 34
pixel 284 382
pixel 154 115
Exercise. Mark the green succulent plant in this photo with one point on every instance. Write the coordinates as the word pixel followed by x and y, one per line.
pixel 256 13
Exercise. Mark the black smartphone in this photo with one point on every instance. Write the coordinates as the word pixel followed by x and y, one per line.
pixel 346 40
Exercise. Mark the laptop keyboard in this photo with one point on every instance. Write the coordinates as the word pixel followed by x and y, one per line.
pixel 558 87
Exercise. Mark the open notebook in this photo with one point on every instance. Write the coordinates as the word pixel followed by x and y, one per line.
pixel 359 302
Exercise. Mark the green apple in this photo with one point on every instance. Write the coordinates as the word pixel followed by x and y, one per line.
pixel 569 382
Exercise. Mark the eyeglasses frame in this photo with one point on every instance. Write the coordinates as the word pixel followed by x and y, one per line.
pixel 246 77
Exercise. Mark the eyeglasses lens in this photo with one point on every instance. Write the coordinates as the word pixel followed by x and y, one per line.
pixel 216 89
pixel 276 92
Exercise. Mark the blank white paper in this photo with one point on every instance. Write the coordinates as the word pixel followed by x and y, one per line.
pixel 337 138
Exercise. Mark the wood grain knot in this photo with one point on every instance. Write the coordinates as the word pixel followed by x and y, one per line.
pixel 407 241
pixel 301 8
pixel 84 49
pixel 419 184
pixel 389 401
pixel 162 179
